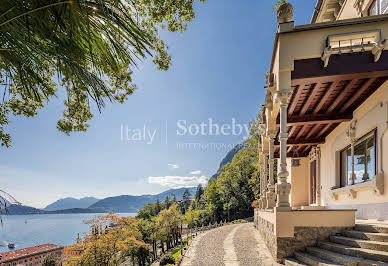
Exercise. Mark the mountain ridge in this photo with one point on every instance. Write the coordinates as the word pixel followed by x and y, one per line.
pixel 71 203
pixel 122 203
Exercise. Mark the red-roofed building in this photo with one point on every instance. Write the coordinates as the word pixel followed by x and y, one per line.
pixel 30 256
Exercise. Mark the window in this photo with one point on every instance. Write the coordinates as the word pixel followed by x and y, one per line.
pixel 364 160
pixel 383 6
pixel 372 10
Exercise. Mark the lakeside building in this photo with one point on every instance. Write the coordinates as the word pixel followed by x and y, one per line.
pixel 326 118
pixel 71 252
pixel 30 256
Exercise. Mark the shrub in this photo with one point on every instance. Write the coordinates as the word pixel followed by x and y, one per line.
pixel 51 260
pixel 167 259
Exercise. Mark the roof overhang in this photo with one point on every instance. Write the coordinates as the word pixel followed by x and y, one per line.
pixel 323 95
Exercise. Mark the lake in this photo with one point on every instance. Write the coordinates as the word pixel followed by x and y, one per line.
pixel 31 230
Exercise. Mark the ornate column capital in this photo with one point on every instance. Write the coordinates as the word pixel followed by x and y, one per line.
pixel 272 134
pixel 283 96
pixel 315 153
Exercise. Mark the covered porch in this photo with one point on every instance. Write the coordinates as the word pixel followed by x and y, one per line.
pixel 319 75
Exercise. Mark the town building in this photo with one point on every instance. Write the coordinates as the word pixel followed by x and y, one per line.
pixel 71 252
pixel 30 256
pixel 325 120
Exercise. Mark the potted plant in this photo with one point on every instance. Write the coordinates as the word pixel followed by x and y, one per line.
pixel 284 11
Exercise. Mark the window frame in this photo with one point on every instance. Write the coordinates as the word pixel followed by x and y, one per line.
pixel 370 8
pixel 344 180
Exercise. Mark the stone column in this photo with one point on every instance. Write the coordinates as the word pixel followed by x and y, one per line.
pixel 351 135
pixel 283 188
pixel 352 154
pixel 265 175
pixel 315 155
pixel 318 156
pixel 271 196
pixel 262 183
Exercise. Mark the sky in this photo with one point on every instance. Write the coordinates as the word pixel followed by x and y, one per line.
pixel 173 131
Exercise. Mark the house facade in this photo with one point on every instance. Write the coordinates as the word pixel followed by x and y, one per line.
pixel 325 122
pixel 30 256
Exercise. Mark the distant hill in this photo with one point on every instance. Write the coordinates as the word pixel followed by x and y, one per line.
pixel 127 203
pixel 228 158
pixel 71 203
pixel 124 203
pixel 20 209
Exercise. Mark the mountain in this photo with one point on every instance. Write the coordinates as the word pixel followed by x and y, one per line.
pixel 71 203
pixel 124 203
pixel 20 209
pixel 127 203
pixel 228 158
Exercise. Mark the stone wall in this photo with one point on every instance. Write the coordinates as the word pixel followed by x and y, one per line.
pixel 267 231
pixel 303 237
pixel 282 247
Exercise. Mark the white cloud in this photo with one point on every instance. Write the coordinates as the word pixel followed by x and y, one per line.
pixel 178 181
pixel 173 166
pixel 195 173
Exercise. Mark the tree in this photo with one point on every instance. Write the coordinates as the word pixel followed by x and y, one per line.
pixel 111 240
pixel 213 205
pixel 192 217
pixel 168 225
pixel 167 203
pixel 51 260
pixel 147 229
pixel 173 198
pixel 158 207
pixel 186 199
pixel 234 186
pixel 86 49
pixel 198 192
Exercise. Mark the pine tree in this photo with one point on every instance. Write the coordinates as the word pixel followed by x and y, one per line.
pixel 199 192
pixel 167 203
pixel 158 207
pixel 186 199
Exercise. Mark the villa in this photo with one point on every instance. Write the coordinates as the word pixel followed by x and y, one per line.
pixel 325 118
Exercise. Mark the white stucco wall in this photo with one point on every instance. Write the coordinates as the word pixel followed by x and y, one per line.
pixel 371 114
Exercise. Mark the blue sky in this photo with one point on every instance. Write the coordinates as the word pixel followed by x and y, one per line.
pixel 217 74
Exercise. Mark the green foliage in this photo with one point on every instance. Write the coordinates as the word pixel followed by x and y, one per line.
pixel 198 192
pixel 238 221
pixel 192 217
pixel 278 4
pixel 234 186
pixel 111 240
pixel 167 202
pixel 51 260
pixel 167 259
pixel 82 51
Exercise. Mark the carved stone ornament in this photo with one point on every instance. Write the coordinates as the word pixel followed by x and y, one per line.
pixel 378 49
pixel 315 153
pixel 351 131
pixel 285 13
pixel 283 96
pixel 358 5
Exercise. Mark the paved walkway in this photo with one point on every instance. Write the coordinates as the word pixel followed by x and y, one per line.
pixel 232 245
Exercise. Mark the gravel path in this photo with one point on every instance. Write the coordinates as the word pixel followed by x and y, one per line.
pixel 232 245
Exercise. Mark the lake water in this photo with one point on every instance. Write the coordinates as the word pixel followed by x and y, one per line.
pixel 31 230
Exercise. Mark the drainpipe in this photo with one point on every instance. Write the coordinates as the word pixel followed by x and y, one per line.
pixel 381 139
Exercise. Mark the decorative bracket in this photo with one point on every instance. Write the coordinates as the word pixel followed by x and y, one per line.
pixel 378 49
pixel 354 42
pixel 376 185
pixel 326 56
pixel 351 131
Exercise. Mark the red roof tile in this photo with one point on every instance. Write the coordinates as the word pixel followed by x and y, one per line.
pixel 27 252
